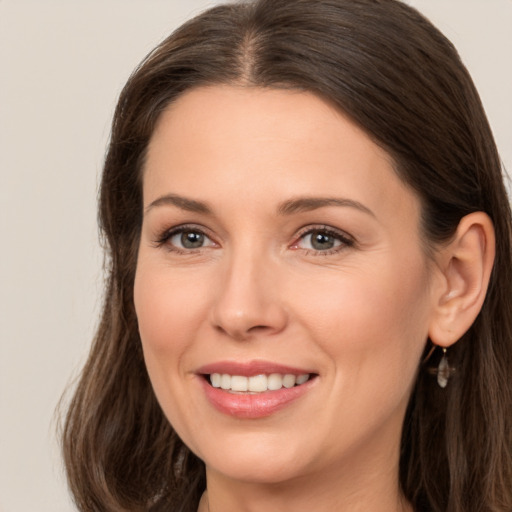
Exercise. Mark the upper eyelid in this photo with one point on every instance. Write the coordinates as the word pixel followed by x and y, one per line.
pixel 163 236
pixel 328 229
pixel 186 227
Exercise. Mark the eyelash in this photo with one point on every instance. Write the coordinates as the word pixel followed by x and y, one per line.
pixel 164 238
pixel 345 240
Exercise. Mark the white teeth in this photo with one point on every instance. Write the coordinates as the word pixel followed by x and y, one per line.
pixel 215 379
pixel 289 381
pixel 257 383
pixel 275 381
pixel 302 378
pixel 239 383
pixel 225 381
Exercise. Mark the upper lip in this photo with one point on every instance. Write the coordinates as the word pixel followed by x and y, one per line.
pixel 250 368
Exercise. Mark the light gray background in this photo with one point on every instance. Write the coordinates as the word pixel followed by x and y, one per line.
pixel 63 64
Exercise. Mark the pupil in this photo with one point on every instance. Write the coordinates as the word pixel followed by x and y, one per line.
pixel 322 241
pixel 191 240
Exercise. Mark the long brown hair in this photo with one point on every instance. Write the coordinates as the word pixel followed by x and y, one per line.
pixel 401 80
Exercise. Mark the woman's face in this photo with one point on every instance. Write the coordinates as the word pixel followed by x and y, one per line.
pixel 279 245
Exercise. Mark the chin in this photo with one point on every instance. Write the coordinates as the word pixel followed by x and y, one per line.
pixel 255 471
pixel 256 461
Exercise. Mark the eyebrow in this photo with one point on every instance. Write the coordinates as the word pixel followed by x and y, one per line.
pixel 190 205
pixel 298 205
pixel 306 204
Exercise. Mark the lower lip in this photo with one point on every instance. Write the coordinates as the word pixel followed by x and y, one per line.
pixel 256 405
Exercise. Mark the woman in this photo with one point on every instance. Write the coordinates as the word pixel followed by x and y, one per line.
pixel 308 305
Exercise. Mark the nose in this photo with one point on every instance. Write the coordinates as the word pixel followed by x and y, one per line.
pixel 249 301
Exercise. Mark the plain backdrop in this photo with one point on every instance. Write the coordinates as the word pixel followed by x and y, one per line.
pixel 63 63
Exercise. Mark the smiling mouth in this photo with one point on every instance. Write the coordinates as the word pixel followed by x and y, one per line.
pixel 255 384
pixel 256 389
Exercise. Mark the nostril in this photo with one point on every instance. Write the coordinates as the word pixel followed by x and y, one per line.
pixel 258 328
pixel 241 334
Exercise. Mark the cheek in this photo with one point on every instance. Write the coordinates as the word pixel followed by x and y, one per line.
pixel 168 309
pixel 372 326
pixel 373 323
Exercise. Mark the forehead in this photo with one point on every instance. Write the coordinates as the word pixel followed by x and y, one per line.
pixel 260 145
pixel 228 119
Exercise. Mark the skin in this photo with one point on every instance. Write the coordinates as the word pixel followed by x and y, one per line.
pixel 358 315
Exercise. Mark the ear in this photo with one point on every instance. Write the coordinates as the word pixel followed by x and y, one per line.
pixel 464 267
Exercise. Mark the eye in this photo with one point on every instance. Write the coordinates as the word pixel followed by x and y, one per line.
pixel 185 239
pixel 323 240
pixel 188 239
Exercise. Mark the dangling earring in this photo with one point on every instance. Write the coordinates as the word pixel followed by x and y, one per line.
pixel 443 370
